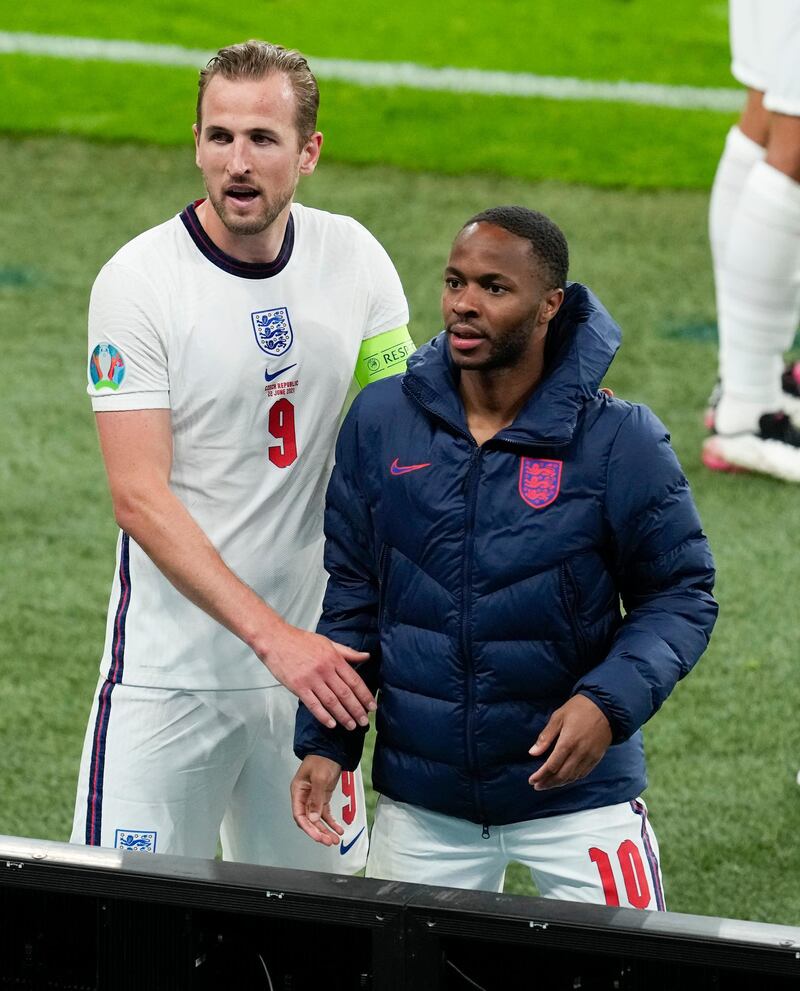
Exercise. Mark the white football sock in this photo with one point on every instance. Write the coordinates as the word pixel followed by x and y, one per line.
pixel 739 155
pixel 758 297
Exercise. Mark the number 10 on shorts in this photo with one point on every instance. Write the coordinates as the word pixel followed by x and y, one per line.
pixel 633 872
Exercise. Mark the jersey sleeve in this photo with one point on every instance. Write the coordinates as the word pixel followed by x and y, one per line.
pixel 127 356
pixel 383 355
pixel 388 309
pixel 386 342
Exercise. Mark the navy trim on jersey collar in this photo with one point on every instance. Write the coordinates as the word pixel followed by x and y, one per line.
pixel 246 270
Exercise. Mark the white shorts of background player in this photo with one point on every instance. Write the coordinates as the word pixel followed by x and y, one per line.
pixel 765 42
pixel 181 769
pixel 607 856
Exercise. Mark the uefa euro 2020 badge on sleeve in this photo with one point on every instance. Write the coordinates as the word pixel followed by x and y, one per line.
pixel 106 368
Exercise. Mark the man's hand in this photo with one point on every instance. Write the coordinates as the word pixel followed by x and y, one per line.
pixel 581 734
pixel 311 790
pixel 320 674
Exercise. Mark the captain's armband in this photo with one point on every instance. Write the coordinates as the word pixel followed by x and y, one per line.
pixel 383 355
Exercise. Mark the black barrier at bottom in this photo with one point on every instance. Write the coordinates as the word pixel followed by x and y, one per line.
pixel 100 920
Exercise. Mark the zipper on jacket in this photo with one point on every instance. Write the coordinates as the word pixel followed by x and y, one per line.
pixel 571 602
pixel 499 441
pixel 383 557
pixel 470 501
pixel 470 490
pixel 486 835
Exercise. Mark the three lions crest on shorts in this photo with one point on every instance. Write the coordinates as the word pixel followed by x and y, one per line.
pixel 539 481
pixel 273 330
pixel 135 840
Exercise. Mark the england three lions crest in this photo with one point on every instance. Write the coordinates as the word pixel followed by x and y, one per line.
pixel 539 481
pixel 135 840
pixel 273 331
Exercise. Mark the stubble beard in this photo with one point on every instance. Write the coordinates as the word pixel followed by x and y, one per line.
pixel 505 352
pixel 271 210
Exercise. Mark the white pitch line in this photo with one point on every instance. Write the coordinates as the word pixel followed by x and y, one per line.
pixel 406 74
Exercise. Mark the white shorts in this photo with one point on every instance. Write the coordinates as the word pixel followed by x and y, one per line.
pixel 606 856
pixel 172 771
pixel 765 44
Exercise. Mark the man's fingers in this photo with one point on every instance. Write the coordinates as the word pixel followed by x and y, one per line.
pixel 300 791
pixel 336 699
pixel 316 708
pixel 330 698
pixel 545 739
pixel 566 764
pixel 318 809
pixel 317 830
pixel 552 777
pixel 318 812
pixel 353 694
pixel 353 680
pixel 330 821
pixel 350 653
pixel 311 811
pixel 549 773
pixel 340 693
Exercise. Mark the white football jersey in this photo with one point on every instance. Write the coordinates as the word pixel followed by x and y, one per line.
pixel 254 363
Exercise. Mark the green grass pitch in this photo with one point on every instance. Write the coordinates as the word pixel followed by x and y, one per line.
pixel 628 185
pixel 602 144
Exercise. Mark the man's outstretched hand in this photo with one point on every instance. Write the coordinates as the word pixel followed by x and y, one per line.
pixel 579 734
pixel 311 790
pixel 320 674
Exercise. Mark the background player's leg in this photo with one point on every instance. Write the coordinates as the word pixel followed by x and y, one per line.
pixel 157 770
pixel 412 844
pixel 606 856
pixel 758 280
pixel 745 145
pixel 741 153
pixel 258 827
pixel 759 296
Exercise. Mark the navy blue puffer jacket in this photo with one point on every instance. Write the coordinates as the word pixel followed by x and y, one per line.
pixel 487 582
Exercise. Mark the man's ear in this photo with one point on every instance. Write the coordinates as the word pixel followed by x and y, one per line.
pixel 551 304
pixel 196 133
pixel 309 153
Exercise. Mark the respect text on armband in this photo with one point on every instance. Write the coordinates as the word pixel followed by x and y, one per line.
pixel 388 358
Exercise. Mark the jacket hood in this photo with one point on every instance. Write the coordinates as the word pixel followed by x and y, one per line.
pixel 581 343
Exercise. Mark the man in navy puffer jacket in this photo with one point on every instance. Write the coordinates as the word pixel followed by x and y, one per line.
pixel 491 514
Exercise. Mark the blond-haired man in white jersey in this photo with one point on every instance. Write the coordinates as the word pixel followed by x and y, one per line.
pixel 221 346
pixel 755 240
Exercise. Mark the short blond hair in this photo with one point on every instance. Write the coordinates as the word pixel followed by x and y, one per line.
pixel 257 59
